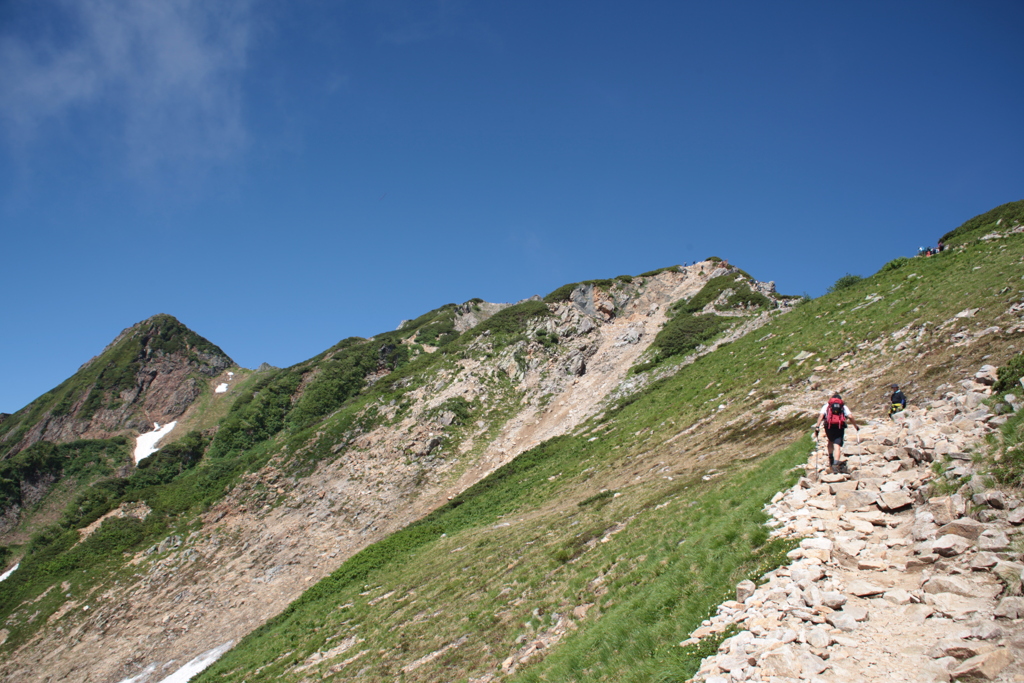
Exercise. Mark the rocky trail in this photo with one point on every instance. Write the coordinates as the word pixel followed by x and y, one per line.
pixel 891 581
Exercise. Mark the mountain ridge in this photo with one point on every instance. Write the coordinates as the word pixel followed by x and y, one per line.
pixel 557 428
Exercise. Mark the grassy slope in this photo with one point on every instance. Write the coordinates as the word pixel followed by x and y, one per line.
pixel 501 563
pixel 291 415
pixel 633 452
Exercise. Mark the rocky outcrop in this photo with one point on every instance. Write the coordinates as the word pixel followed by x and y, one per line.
pixel 149 373
pixel 274 534
pixel 472 313
pixel 891 580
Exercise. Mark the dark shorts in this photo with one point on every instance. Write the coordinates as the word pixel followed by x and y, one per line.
pixel 835 435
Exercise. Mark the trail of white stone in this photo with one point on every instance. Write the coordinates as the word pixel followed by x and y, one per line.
pixel 891 582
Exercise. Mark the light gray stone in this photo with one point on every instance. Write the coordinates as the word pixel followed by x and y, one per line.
pixel 986 631
pixel 950 545
pixel 842 621
pixel 811 665
pixel 732 662
pixel 990 497
pixel 781 661
pixel 966 527
pixel 986 666
pixel 818 543
pixel 957 607
pixel 863 589
pixel 930 670
pixel 851 546
pixel 744 589
pixel 818 638
pixel 856 500
pixel 806 572
pixel 812 596
pixel 1010 608
pixel 1011 574
pixel 958 586
pixel 984 560
pixel 891 501
pixel 960 649
pixel 917 613
pixel 1016 516
pixel 898 596
pixel 992 540
pixel 857 612
pixel 945 509
pixel 833 599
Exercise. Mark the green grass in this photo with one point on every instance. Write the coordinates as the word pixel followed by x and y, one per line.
pixel 1010 376
pixel 674 566
pixel 695 553
pixel 83 459
pixel 742 297
pixel 500 560
pixel 1002 217
pixel 687 328
pixel 665 571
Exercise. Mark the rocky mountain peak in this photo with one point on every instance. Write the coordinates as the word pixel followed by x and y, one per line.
pixel 151 372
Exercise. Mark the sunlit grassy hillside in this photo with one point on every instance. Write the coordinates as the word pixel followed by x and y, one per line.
pixel 590 557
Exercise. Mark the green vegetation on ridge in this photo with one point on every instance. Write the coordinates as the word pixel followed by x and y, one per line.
pixel 1002 217
pixel 615 518
pixel 688 328
pixel 497 578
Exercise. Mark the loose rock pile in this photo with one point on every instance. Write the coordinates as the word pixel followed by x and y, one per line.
pixel 891 582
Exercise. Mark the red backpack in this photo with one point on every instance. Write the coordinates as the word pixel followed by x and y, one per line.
pixel 835 415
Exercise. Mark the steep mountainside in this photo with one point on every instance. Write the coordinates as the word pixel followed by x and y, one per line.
pixel 559 489
pixel 153 372
pixel 374 434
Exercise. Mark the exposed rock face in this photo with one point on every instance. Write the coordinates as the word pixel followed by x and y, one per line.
pixel 273 535
pixel 472 313
pixel 146 375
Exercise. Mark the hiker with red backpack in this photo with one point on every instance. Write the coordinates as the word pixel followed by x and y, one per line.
pixel 834 416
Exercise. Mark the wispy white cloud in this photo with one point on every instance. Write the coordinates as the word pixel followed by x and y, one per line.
pixel 161 80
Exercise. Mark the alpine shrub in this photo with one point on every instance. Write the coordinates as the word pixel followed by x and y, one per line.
pixel 1010 375
pixel 684 333
pixel 895 264
pixel 844 282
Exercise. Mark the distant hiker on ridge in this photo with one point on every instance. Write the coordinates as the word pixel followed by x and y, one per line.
pixel 834 415
pixel 897 402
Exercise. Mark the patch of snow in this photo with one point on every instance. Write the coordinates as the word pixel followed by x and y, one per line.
pixel 146 444
pixel 9 572
pixel 221 388
pixel 231 374
pixel 198 664
pixel 142 677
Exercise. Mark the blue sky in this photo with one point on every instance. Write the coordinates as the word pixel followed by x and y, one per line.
pixel 281 175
